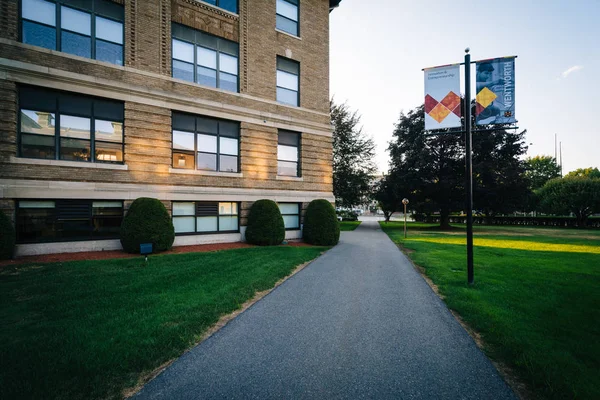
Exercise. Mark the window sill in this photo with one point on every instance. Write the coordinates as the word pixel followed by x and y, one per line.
pixel 206 173
pixel 290 178
pixel 62 163
pixel 288 34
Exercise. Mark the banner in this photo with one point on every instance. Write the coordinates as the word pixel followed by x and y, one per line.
pixel 442 97
pixel 495 82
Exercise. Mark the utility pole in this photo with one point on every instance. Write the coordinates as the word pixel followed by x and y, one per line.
pixel 469 167
pixel 561 169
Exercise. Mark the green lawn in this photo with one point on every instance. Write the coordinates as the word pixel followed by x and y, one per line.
pixel 535 301
pixel 91 329
pixel 349 225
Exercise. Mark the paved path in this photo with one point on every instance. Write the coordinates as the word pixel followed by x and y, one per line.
pixel 359 322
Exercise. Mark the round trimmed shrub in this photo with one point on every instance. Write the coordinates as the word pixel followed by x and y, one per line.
pixel 265 224
pixel 147 221
pixel 321 226
pixel 7 237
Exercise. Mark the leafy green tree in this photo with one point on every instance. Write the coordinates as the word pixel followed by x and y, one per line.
pixel 499 182
pixel 430 169
pixel 577 195
pixel 584 172
pixel 540 169
pixel 387 196
pixel 353 157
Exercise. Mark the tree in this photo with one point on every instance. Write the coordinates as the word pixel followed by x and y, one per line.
pixel 540 169
pixel 429 169
pixel 584 172
pixel 577 195
pixel 353 157
pixel 499 182
pixel 386 195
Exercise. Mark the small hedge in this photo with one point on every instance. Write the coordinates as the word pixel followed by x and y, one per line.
pixel 320 224
pixel 265 224
pixel 7 237
pixel 147 221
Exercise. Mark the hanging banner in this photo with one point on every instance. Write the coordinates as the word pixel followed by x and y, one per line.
pixel 495 82
pixel 442 97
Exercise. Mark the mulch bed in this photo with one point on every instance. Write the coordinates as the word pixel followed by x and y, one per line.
pixel 105 255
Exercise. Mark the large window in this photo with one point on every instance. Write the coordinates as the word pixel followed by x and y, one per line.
pixel 288 81
pixel 229 5
pixel 64 126
pixel 288 153
pixel 90 28
pixel 287 16
pixel 67 220
pixel 205 217
pixel 204 59
pixel 291 215
pixel 205 143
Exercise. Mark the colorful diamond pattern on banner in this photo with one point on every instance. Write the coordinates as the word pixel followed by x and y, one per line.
pixel 440 110
pixel 485 97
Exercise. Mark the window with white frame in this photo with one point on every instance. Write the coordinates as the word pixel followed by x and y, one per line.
pixel 287 16
pixel 205 59
pixel 205 217
pixel 288 81
pixel 205 143
pixel 291 215
pixel 288 153
pixel 91 29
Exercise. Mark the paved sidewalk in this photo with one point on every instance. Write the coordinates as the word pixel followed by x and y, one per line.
pixel 359 322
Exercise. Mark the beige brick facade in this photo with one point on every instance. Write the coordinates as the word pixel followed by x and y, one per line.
pixel 150 95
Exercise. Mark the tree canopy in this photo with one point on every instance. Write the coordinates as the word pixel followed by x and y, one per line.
pixel 353 157
pixel 540 169
pixel 499 183
pixel 578 195
pixel 584 172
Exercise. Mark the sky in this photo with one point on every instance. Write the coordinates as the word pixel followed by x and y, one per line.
pixel 378 49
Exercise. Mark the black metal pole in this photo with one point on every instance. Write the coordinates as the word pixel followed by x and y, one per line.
pixel 469 167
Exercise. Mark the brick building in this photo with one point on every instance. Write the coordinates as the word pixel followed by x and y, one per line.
pixel 205 105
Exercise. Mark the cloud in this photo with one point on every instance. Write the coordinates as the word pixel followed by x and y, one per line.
pixel 569 71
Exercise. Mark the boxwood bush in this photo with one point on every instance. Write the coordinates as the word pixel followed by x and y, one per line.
pixel 147 221
pixel 265 224
pixel 320 224
pixel 7 238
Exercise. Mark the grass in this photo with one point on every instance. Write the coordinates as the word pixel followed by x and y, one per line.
pixel 349 225
pixel 535 301
pixel 92 329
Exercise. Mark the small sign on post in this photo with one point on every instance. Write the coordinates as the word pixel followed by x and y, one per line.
pixel 145 249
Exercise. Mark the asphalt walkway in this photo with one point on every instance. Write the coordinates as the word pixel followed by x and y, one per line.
pixel 359 322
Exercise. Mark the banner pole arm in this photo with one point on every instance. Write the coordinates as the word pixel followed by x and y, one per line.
pixel 468 167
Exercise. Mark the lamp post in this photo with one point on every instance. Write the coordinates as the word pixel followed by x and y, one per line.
pixel 405 202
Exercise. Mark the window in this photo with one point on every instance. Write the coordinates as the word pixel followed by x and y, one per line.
pixel 287 16
pixel 91 29
pixel 205 217
pixel 64 126
pixel 67 220
pixel 205 144
pixel 288 153
pixel 204 59
pixel 291 215
pixel 288 73
pixel 229 5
